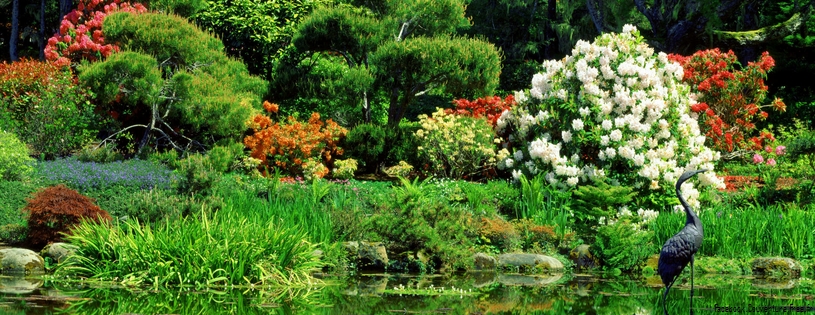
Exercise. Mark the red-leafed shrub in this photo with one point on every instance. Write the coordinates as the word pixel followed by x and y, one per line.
pixel 55 210
pixel 300 148
pixel 732 98
pixel 488 107
pixel 80 32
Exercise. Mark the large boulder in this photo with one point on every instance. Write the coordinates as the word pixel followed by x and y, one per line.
pixel 482 261
pixel 367 255
pixel 21 261
pixel 776 267
pixel 58 251
pixel 529 262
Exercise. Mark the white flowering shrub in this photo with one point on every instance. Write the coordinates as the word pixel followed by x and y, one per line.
pixel 612 110
pixel 455 146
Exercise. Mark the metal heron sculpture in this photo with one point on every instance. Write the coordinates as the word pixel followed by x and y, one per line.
pixel 680 249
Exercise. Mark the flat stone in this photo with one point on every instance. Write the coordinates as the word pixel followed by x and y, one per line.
pixel 526 262
pixel 58 251
pixel 482 261
pixel 776 266
pixel 21 261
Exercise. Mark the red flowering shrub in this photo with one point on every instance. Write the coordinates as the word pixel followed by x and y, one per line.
pixel 731 99
pixel 294 146
pixel 488 107
pixel 55 210
pixel 45 107
pixel 80 32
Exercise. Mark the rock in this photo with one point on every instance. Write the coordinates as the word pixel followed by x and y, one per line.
pixel 19 285
pixel 525 280
pixel 372 256
pixel 58 251
pixel 20 261
pixel 482 261
pixel 582 257
pixel 776 266
pixel 529 262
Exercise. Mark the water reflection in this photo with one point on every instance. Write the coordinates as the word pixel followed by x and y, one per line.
pixel 478 293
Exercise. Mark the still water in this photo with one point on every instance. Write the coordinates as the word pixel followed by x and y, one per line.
pixel 485 293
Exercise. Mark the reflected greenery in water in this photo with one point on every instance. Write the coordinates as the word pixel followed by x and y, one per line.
pixel 464 294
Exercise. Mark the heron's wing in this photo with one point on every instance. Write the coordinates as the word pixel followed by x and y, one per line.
pixel 676 254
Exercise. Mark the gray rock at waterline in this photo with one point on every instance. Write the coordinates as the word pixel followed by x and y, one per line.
pixel 482 261
pixel 19 284
pixel 20 261
pixel 776 266
pixel 529 262
pixel 774 283
pixel 367 255
pixel 58 251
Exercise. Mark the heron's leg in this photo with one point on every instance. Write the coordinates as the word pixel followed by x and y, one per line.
pixel 664 295
pixel 691 283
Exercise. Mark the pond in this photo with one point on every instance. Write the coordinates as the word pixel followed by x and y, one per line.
pixel 473 293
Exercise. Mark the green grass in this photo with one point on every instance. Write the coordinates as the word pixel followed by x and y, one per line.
pixel 748 231
pixel 231 247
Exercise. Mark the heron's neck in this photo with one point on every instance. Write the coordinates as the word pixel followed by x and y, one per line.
pixel 691 217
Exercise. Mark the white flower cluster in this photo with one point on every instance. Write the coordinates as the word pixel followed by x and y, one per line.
pixel 619 109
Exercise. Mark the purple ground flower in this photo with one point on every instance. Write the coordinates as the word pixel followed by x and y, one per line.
pixel 91 175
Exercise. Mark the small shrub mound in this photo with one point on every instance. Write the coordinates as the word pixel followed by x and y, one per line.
pixel 55 210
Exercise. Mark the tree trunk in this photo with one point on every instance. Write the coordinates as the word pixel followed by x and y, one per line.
pixel 65 6
pixel 15 30
pixel 551 35
pixel 596 14
pixel 41 40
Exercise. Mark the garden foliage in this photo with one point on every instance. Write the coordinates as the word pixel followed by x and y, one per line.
pixel 299 148
pixel 55 210
pixel 80 32
pixel 177 79
pixel 730 99
pixel 15 164
pixel 395 52
pixel 613 109
pixel 42 104
pixel 455 146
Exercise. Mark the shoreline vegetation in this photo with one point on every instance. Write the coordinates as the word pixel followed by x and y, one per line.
pixel 170 154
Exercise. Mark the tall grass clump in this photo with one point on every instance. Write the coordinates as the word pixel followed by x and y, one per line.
pixel 738 232
pixel 543 203
pixel 228 248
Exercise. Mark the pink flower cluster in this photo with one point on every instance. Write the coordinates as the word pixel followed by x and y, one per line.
pixel 778 151
pixel 80 32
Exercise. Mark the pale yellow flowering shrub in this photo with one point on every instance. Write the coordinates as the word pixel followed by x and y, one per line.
pixel 402 169
pixel 455 146
pixel 344 169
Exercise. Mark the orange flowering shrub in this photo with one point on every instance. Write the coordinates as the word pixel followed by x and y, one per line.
pixel 300 148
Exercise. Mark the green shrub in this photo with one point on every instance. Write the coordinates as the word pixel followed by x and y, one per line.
pixel 184 8
pixel 402 144
pixel 13 201
pixel 41 104
pixel 156 205
pixel 224 157
pixel 15 164
pixel 623 245
pixel 367 144
pixel 198 176
pixel 171 67
pixel 102 154
pixel 455 146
